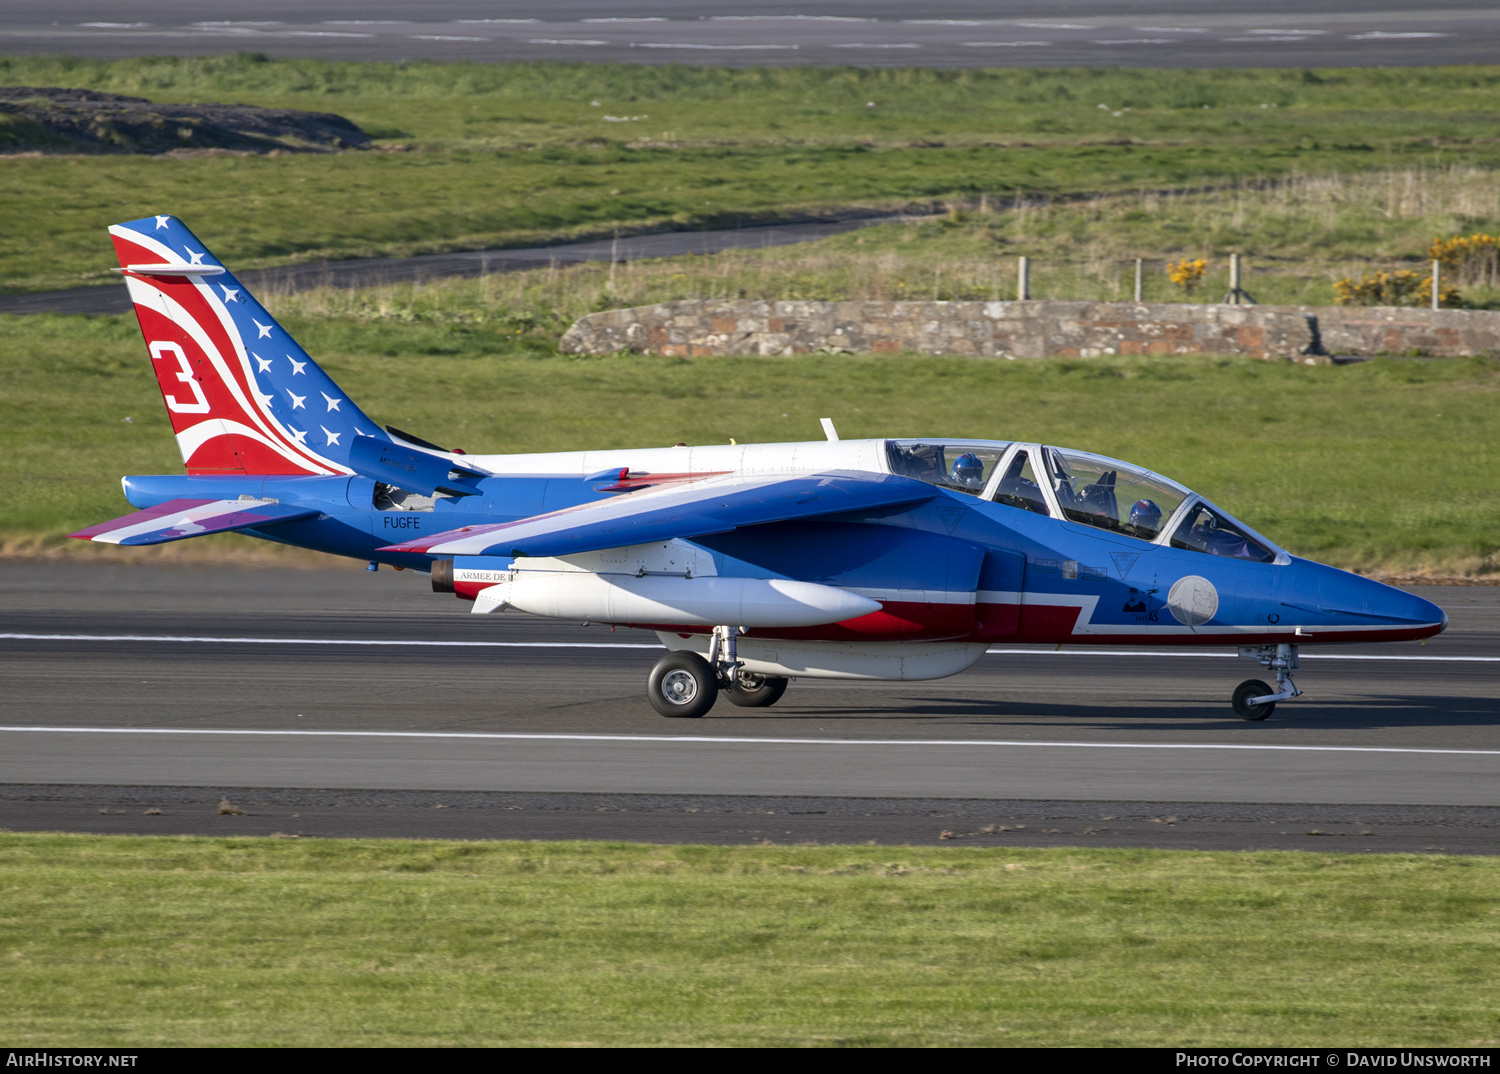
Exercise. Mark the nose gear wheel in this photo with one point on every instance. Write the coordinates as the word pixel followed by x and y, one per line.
pixel 1244 692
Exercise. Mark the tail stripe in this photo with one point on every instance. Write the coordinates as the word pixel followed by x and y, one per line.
pixel 261 409
pixel 200 433
pixel 190 440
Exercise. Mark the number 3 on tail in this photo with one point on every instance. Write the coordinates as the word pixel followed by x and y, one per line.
pixel 199 405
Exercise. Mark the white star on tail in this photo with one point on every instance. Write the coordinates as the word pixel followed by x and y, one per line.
pixel 161 222
pixel 298 435
pixel 297 366
pixel 296 399
pixel 333 438
pixel 265 329
pixel 263 364
pixel 263 398
pixel 230 294
pixel 197 257
pixel 333 404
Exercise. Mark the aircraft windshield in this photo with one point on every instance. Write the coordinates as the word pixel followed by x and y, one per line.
pixel 961 465
pixel 1207 529
pixel 1111 495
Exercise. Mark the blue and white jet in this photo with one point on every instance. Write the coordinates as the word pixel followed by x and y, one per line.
pixel 755 564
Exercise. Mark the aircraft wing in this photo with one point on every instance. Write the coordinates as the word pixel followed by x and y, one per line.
pixel 713 505
pixel 176 520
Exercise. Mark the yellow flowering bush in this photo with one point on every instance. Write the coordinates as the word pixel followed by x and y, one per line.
pixel 1473 259
pixel 1399 288
pixel 1187 273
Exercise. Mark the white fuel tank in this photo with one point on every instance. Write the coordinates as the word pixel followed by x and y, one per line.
pixel 626 598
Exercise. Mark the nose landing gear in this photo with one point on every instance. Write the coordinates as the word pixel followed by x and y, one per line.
pixel 1253 698
pixel 683 684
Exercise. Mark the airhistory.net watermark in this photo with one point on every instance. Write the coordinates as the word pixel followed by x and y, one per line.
pixel 68 1059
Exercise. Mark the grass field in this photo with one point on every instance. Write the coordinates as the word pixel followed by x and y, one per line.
pixel 1313 174
pixel 126 941
pixel 510 154
pixel 1381 467
pixel 1324 228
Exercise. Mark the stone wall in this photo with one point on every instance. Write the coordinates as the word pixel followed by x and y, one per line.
pixel 1375 330
pixel 1035 329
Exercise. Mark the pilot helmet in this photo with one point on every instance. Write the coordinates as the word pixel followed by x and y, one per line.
pixel 968 469
pixel 1145 514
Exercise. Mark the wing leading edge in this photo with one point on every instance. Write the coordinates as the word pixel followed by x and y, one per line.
pixel 714 505
pixel 177 520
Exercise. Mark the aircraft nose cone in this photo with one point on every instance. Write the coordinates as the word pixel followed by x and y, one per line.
pixel 1422 609
pixel 1331 591
pixel 1399 604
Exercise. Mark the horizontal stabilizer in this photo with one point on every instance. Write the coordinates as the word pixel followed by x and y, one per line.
pixel 713 505
pixel 173 270
pixel 408 468
pixel 176 520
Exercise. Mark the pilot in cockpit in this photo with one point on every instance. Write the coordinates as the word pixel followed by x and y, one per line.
pixel 968 471
pixel 1145 518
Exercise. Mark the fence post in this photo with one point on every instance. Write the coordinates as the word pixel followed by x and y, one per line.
pixel 1140 278
pixel 1023 279
pixel 1237 295
pixel 1437 267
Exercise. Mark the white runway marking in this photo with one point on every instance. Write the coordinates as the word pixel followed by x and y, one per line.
pixel 1082 651
pixel 1223 656
pixel 335 641
pixel 737 741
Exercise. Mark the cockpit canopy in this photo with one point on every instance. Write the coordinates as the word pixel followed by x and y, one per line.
pixel 1111 495
pixel 1088 489
pixel 962 465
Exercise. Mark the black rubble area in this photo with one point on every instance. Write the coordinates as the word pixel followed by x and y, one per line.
pixel 51 120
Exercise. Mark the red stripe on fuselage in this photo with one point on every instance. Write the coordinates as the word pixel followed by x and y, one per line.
pixel 1036 624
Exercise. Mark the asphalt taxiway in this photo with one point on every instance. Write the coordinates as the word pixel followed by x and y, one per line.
pixel 938 33
pixel 339 702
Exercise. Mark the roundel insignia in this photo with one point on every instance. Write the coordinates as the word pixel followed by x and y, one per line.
pixel 1193 600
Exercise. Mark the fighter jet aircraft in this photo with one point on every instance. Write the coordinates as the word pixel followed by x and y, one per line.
pixel 755 564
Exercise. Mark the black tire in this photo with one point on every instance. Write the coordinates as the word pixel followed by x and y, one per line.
pixel 756 691
pixel 1242 695
pixel 683 685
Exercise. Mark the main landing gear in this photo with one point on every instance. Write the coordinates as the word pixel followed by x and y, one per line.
pixel 683 684
pixel 1253 698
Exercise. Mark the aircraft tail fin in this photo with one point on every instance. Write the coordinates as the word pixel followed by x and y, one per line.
pixel 242 396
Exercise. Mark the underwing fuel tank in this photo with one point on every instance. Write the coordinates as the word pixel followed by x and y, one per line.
pixel 625 598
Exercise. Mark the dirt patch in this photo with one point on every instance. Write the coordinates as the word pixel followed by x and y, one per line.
pixel 50 120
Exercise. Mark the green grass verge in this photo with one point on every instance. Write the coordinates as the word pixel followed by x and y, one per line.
pixel 517 153
pixel 1380 466
pixel 124 941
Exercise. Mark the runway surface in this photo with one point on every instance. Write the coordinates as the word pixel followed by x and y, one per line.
pixel 354 703
pixel 940 33
pixel 375 272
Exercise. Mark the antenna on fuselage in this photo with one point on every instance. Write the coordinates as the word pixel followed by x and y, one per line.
pixel 828 429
